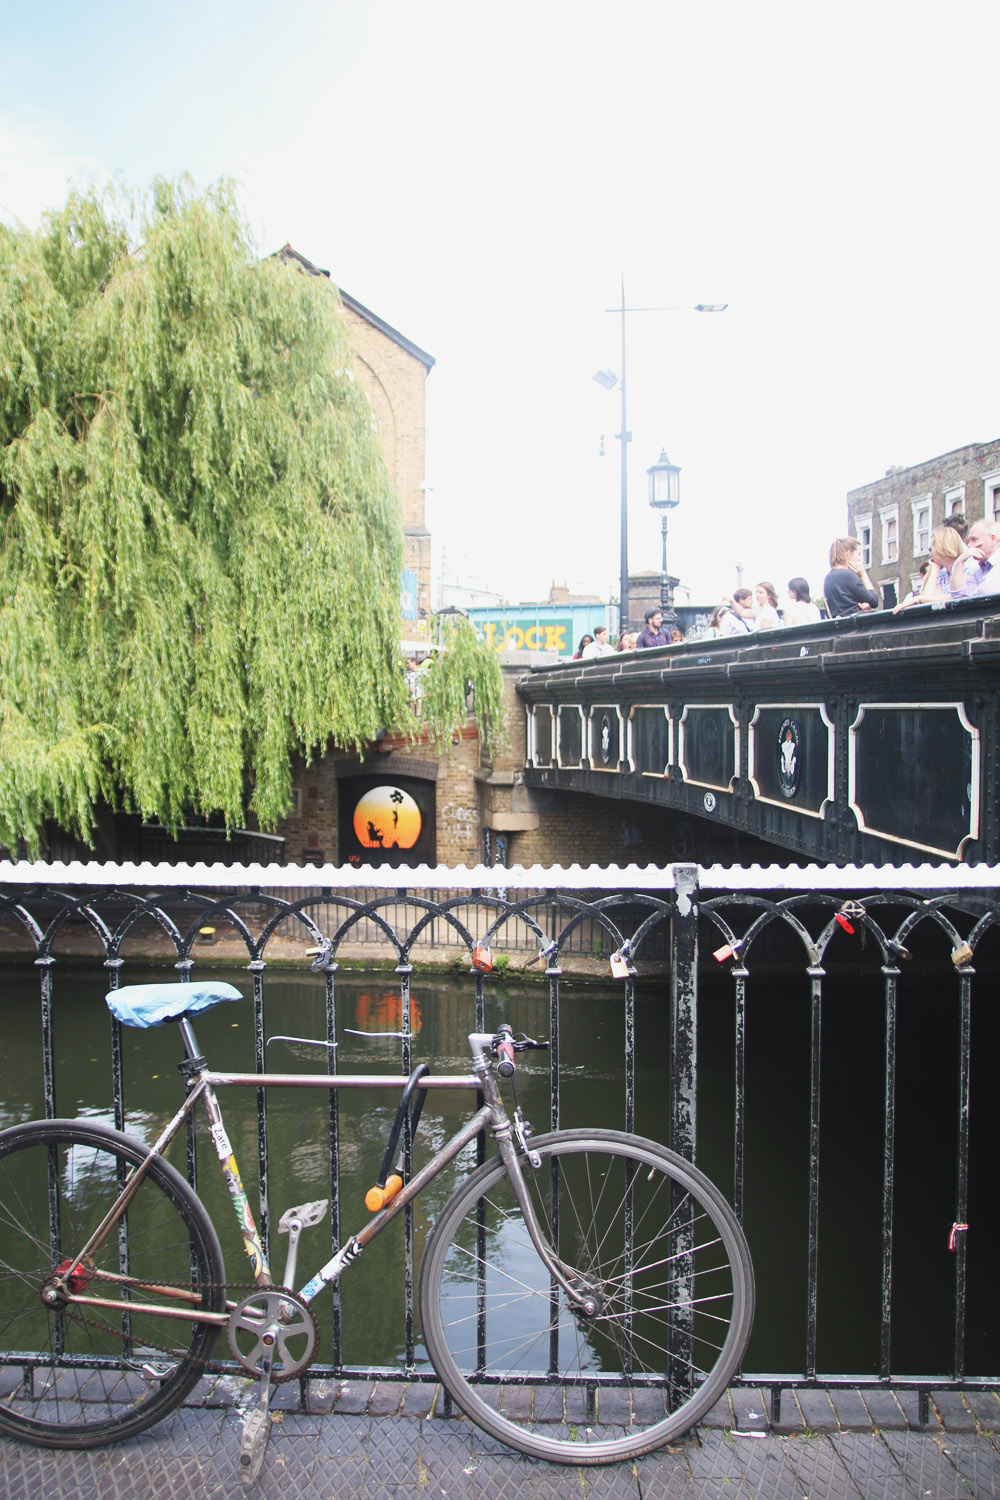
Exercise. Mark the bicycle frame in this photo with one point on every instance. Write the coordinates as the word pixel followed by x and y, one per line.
pixel 202 1084
pixel 595 1357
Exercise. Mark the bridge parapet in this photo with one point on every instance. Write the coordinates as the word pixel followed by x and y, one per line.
pixel 872 739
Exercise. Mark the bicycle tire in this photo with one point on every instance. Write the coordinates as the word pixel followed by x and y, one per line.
pixel 675 1296
pixel 84 1376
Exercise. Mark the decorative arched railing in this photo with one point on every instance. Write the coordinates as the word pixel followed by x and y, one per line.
pixel 821 1039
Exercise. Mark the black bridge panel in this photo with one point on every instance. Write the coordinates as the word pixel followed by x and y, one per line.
pixel 791 756
pixel 708 751
pixel 873 739
pixel 651 739
pixel 898 755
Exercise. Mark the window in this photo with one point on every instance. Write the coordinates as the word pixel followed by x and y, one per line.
pixel 863 532
pixel 991 495
pixel 890 534
pixel 954 499
pixel 921 525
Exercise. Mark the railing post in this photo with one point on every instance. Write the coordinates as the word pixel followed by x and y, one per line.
pixel 684 1012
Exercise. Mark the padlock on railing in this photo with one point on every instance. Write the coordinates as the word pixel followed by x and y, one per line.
pixel 619 966
pixel 728 950
pixel 850 912
pixel 482 958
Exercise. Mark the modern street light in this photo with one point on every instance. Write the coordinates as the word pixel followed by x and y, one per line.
pixel 665 496
pixel 608 379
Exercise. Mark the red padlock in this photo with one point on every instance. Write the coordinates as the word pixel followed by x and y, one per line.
pixel 727 951
pixel 482 958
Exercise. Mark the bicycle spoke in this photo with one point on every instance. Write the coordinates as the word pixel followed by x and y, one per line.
pixel 644 1241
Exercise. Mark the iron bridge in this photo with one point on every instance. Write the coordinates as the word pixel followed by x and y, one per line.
pixel 872 739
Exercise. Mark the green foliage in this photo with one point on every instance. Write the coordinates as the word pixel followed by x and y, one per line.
pixel 463 673
pixel 201 550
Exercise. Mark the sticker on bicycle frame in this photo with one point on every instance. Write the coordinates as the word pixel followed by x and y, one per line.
pixel 222 1147
pixel 244 1215
pixel 332 1269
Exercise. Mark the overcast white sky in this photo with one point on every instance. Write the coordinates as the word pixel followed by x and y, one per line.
pixel 483 176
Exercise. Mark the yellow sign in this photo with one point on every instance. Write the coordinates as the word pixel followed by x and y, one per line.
pixel 527 633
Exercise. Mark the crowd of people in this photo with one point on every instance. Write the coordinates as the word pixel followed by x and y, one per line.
pixel 964 562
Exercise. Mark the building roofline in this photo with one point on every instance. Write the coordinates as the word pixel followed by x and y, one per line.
pixel 288 252
pixel 427 360
pixel 899 470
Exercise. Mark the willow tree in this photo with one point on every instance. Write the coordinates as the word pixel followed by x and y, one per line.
pixel 201 555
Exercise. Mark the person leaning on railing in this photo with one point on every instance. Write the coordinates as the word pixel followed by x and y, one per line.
pixel 946 549
pixel 848 589
pixel 976 571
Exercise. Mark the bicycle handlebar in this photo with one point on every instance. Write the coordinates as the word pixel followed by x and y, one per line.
pixel 505 1044
pixel 503 1048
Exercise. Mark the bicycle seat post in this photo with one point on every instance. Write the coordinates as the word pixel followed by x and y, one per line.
pixel 194 1058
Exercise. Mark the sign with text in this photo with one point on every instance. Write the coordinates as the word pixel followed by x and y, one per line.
pixel 529 633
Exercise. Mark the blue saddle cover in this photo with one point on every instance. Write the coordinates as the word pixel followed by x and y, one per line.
pixel 152 1004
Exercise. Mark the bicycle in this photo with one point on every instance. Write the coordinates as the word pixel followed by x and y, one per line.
pixel 585 1295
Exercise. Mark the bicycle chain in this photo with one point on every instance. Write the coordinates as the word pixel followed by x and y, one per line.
pixel 212 1366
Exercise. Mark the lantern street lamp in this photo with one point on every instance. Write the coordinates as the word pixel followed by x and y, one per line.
pixel 665 496
pixel 609 380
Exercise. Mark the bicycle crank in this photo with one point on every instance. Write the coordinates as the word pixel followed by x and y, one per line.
pixel 274 1332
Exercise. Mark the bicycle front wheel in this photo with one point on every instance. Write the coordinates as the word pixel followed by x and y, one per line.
pixel 80 1375
pixel 662 1262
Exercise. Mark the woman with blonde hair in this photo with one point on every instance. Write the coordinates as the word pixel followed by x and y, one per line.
pixel 946 548
pixel 847 588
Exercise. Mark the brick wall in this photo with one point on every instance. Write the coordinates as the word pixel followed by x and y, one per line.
pixel 395 382
pixel 312 834
pixel 967 478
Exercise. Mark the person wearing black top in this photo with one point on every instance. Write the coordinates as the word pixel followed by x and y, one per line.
pixel 848 590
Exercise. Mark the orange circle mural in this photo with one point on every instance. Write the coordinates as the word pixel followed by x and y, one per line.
pixel 387 818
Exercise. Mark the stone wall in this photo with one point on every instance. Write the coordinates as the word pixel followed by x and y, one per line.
pixel 967 479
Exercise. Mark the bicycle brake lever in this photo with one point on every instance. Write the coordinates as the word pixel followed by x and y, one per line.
pixel 526 1043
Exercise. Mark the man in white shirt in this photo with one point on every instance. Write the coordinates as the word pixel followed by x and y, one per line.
pixel 976 572
pixel 739 616
pixel 599 645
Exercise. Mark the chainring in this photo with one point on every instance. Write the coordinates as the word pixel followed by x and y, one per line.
pixel 280 1316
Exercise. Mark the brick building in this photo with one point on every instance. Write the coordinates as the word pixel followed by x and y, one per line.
pixel 392 371
pixel 894 517
pixel 471 809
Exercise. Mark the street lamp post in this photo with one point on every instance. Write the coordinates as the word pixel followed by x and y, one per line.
pixel 665 496
pixel 608 379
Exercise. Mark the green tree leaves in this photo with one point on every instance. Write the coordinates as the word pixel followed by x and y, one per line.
pixel 201 551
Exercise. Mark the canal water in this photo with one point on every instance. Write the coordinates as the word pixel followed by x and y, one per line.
pixel 592 1093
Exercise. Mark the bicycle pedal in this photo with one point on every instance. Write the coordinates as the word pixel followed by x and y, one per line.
pixel 307 1214
pixel 256 1431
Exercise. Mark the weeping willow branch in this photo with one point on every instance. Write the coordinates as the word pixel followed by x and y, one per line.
pixel 464 674
pixel 201 552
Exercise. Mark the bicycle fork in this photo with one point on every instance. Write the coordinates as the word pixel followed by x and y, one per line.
pixel 506 1133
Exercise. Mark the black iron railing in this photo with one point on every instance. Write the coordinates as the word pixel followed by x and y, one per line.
pixel 845 1019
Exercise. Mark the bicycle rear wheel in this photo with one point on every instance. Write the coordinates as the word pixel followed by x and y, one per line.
pixel 663 1259
pixel 80 1376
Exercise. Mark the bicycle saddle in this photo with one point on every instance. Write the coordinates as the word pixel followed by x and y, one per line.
pixel 152 1004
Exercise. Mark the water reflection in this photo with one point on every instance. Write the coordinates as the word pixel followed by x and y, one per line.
pixel 592 1092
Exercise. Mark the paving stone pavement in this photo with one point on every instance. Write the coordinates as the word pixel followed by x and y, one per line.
pixel 826 1446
